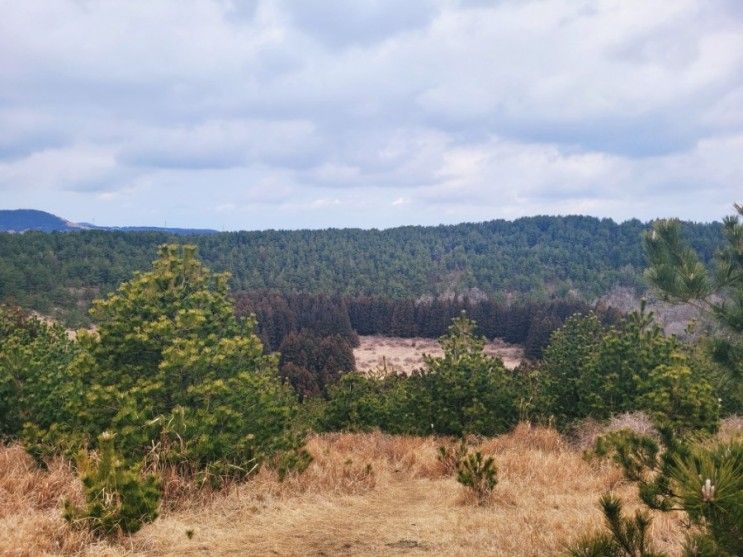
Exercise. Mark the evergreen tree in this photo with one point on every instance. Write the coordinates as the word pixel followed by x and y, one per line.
pixel 170 366
pixel 680 275
pixel 465 390
pixel 34 356
pixel 567 370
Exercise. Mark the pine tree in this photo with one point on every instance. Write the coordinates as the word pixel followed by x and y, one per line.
pixel 679 275
pixel 170 366
pixel 118 498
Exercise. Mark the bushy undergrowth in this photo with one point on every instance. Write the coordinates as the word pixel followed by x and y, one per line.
pixel 118 498
pixel 478 474
pixel 34 363
pixel 591 372
pixel 464 391
pixel 625 536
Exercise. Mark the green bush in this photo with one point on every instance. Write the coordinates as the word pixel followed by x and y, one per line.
pixel 478 474
pixel 589 372
pixel 626 536
pixel 680 400
pixel 464 391
pixel 570 384
pixel 359 403
pixel 118 500
pixel 636 454
pixel 213 435
pixel 34 356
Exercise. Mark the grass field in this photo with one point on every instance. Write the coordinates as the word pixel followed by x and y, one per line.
pixel 364 494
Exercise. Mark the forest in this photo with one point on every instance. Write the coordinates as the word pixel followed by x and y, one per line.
pixel 187 391
pixel 538 258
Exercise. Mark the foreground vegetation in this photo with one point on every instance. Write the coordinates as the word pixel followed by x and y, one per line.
pixel 363 494
pixel 173 396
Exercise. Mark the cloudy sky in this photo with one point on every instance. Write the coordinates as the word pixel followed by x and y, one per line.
pixel 369 113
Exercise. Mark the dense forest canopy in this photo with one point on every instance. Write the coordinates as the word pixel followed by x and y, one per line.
pixel 538 257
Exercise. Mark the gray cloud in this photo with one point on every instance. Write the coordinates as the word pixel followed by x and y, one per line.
pixel 339 23
pixel 370 113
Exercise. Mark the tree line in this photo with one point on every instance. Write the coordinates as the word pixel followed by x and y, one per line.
pixel 316 333
pixel 59 274
pixel 529 323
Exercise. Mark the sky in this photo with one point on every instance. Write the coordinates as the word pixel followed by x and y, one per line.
pixel 370 113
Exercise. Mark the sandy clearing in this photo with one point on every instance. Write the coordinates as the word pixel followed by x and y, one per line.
pixel 406 354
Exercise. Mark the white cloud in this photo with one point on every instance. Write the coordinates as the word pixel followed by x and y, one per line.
pixel 464 110
pixel 77 168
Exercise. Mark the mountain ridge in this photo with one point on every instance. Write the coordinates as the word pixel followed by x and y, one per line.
pixel 25 220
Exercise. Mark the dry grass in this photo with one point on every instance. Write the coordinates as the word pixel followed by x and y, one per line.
pixel 731 427
pixel 30 500
pixel 405 355
pixel 585 433
pixel 364 494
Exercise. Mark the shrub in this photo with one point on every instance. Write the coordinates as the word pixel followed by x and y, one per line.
pixel 465 390
pixel 216 436
pixel 34 356
pixel 680 400
pixel 478 474
pixel 118 500
pixel 569 382
pixel 359 403
pixel 636 454
pixel 626 537
pixel 451 456
pixel 589 372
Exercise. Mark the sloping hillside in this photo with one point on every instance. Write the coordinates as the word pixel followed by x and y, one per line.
pixel 22 220
pixel 538 257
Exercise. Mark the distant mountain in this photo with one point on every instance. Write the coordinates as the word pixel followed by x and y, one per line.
pixel 24 220
pixel 21 220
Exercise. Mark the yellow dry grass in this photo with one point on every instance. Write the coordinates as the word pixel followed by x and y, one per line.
pixel 364 494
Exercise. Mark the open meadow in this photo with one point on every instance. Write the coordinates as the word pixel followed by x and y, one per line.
pixel 363 494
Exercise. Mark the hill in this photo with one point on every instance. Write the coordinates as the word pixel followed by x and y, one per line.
pixel 24 220
pixel 537 257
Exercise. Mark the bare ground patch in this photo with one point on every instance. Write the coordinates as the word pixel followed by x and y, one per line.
pixel 406 354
